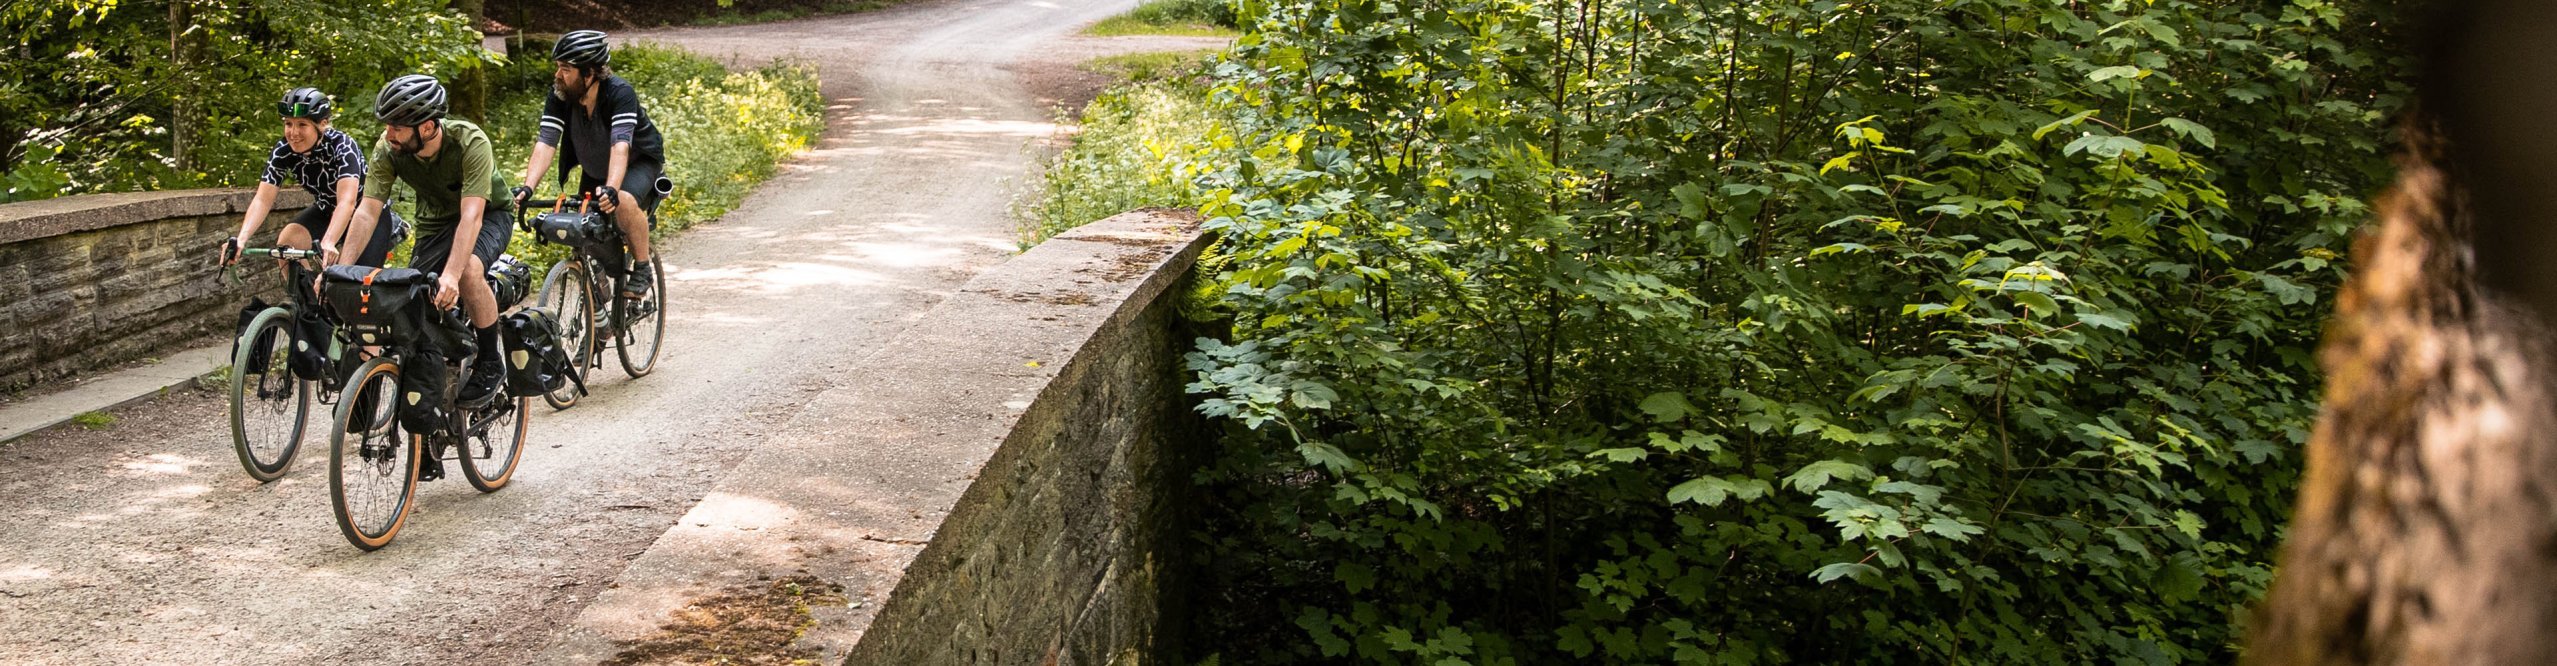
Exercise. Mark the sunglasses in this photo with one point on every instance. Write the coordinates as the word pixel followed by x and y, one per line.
pixel 294 110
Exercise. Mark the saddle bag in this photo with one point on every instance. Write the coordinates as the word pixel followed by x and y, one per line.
pixel 536 362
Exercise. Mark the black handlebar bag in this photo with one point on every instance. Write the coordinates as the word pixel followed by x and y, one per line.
pixel 369 300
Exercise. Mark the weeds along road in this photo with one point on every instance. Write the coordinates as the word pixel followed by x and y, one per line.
pixel 145 544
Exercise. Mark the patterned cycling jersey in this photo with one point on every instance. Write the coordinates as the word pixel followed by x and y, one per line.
pixel 335 156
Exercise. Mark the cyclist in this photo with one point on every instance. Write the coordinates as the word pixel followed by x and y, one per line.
pixel 598 116
pixel 462 222
pixel 326 163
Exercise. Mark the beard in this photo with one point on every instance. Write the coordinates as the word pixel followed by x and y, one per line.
pixel 416 142
pixel 571 91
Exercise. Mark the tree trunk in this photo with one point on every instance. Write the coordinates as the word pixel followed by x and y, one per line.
pixel 2426 531
pixel 183 117
pixel 2426 522
pixel 470 86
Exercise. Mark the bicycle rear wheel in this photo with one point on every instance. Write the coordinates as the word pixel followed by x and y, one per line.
pixel 372 465
pixel 268 404
pixel 643 326
pixel 568 292
pixel 489 455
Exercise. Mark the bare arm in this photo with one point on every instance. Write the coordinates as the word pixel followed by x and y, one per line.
pixel 540 161
pixel 621 165
pixel 259 206
pixel 348 189
pixel 359 232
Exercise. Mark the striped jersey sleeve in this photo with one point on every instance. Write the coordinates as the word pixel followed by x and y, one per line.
pixel 625 109
pixel 554 120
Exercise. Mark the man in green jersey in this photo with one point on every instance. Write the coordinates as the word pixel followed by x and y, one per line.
pixel 463 217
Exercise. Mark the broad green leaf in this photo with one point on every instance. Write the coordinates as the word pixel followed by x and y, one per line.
pixel 1622 455
pixel 1815 475
pixel 2071 121
pixel 1858 570
pixel 2116 72
pixel 1667 406
pixel 2191 130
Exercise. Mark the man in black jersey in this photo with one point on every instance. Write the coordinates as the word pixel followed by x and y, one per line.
pixel 326 163
pixel 596 115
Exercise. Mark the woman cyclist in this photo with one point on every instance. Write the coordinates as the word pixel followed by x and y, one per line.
pixel 328 164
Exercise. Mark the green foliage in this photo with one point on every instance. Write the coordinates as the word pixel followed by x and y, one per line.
pixel 1777 331
pixel 1189 18
pixel 94 420
pixel 1125 155
pixel 89 88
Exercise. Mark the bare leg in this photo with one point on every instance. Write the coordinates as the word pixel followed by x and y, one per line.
pixel 634 225
pixel 477 300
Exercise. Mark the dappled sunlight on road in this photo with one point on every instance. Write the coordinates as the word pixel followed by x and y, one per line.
pixel 162 464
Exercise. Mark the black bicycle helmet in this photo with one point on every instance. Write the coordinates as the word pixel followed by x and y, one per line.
pixel 305 103
pixel 410 100
pixel 582 48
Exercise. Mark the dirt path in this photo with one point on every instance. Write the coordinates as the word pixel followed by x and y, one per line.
pixel 143 543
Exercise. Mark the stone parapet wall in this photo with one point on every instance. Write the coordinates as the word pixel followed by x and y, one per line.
pixel 1004 482
pixel 92 281
pixel 1063 548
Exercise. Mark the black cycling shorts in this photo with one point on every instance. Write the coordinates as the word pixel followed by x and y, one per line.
pixel 639 179
pixel 495 230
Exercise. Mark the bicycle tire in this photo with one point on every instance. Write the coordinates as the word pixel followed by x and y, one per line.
pixel 482 477
pixel 569 280
pixel 270 388
pixel 654 323
pixel 374 524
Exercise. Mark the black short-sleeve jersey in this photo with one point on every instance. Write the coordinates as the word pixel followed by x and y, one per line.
pixel 589 137
pixel 333 157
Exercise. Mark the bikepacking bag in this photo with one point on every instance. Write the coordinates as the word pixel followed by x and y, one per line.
pixel 536 362
pixel 370 299
pixel 258 354
pixel 423 379
pixel 393 306
pixel 563 227
pixel 511 280
pixel 310 356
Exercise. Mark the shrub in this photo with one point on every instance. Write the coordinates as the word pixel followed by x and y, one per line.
pixel 1125 153
pixel 1772 332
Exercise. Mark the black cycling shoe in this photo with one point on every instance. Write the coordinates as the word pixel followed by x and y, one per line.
pixel 488 377
pixel 430 468
pixel 642 278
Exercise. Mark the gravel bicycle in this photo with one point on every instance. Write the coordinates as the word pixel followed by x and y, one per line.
pixel 404 416
pixel 584 290
pixel 284 358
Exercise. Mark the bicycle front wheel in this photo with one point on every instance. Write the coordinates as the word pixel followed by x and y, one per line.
pixel 268 404
pixel 643 326
pixel 568 292
pixel 495 445
pixel 372 465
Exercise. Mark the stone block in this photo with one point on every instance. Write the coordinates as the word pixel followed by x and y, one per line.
pixel 94 281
